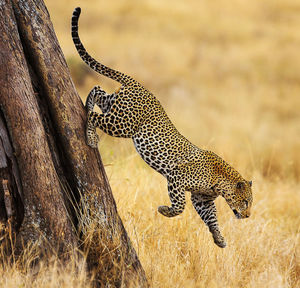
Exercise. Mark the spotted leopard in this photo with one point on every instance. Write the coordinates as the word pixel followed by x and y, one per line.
pixel 134 112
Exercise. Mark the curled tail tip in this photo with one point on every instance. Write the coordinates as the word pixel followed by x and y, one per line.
pixel 77 11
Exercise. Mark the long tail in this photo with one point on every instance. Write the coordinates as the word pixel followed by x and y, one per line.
pixel 89 60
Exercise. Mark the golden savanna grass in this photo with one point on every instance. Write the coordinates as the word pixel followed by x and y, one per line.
pixel 228 75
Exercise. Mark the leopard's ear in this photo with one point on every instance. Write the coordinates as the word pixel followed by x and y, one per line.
pixel 250 183
pixel 240 185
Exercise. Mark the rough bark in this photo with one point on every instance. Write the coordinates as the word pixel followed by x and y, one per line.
pixel 11 200
pixel 46 121
pixel 20 108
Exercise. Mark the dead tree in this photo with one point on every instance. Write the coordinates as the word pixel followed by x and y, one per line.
pixel 53 187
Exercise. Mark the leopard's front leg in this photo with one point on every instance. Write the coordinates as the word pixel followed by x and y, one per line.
pixel 206 208
pixel 177 196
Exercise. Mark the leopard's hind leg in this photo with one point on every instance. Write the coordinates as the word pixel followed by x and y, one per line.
pixel 99 97
pixel 111 123
pixel 91 136
pixel 206 209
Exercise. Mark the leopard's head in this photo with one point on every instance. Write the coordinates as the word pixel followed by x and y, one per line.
pixel 240 200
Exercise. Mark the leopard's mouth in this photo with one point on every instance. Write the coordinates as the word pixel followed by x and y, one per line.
pixel 237 214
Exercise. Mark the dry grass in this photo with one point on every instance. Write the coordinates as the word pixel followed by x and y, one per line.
pixel 227 73
pixel 24 272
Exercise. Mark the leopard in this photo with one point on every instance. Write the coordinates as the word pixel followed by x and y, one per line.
pixel 134 112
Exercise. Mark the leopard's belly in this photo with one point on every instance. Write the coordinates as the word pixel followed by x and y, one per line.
pixel 152 152
pixel 162 147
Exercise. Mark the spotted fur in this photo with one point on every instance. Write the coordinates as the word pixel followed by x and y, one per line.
pixel 134 112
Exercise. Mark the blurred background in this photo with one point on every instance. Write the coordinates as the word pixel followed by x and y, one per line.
pixel 228 75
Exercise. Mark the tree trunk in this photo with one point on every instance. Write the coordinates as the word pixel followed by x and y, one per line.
pixel 56 177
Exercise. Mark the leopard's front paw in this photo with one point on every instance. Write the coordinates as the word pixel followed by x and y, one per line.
pixel 164 210
pixel 169 211
pixel 219 240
